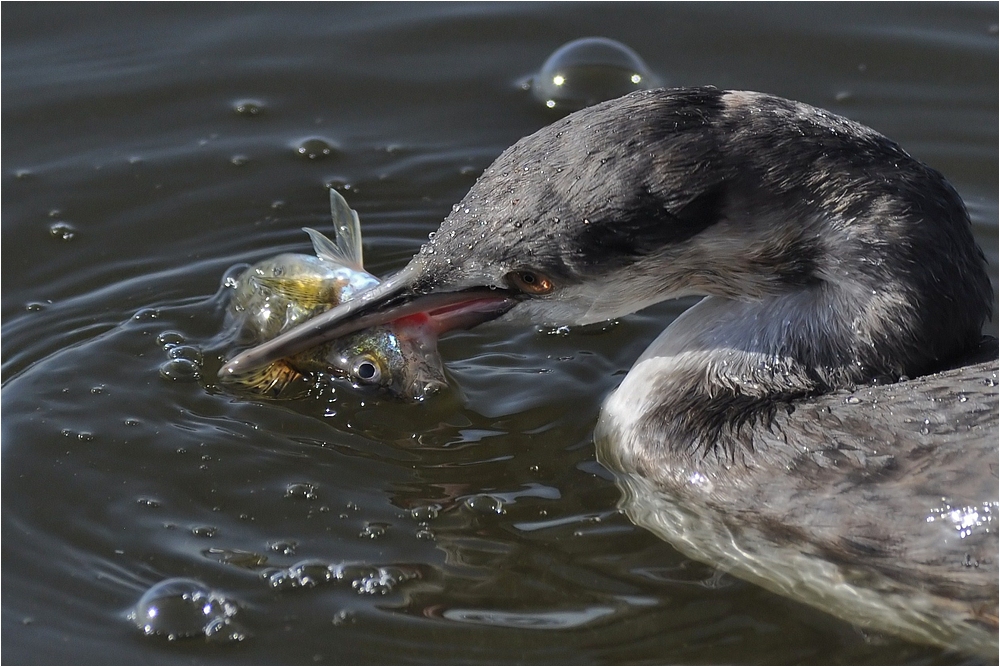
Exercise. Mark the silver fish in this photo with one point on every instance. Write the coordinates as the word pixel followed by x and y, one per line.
pixel 277 294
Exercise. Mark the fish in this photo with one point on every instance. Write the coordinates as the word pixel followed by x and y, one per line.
pixel 276 294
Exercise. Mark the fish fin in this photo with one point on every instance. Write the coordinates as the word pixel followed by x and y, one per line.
pixel 327 250
pixel 307 291
pixel 346 250
pixel 274 380
pixel 347 229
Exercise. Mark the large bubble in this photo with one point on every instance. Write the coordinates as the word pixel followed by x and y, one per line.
pixel 590 70
pixel 185 608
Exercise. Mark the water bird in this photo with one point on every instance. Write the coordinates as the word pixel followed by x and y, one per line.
pixel 811 424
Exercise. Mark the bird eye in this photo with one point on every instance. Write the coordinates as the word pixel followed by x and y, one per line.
pixel 530 282
pixel 366 370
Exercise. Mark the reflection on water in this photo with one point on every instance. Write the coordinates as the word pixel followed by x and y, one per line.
pixel 147 155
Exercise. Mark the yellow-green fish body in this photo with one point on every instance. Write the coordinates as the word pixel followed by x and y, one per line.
pixel 277 294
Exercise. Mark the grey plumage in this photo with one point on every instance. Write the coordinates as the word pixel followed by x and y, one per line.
pixel 830 259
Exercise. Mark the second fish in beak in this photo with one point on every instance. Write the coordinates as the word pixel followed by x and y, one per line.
pixel 397 298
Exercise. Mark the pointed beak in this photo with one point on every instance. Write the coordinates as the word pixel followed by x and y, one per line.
pixel 391 300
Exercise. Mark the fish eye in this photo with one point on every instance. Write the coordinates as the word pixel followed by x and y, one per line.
pixel 530 282
pixel 366 370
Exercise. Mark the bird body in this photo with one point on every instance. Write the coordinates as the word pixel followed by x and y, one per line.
pixel 877 504
pixel 829 260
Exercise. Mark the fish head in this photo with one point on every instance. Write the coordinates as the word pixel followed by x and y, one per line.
pixel 401 358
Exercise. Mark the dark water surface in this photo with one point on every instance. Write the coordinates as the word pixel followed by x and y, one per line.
pixel 476 527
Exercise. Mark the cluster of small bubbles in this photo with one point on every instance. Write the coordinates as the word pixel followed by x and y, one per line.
pixel 99 389
pixel 204 531
pixel 590 70
pixel 185 608
pixel 315 148
pixel 180 370
pixel 248 108
pixel 965 519
pixel 373 530
pixel 301 491
pixel 238 160
pixel 152 503
pixel 424 532
pixel 382 581
pixel 62 230
pixel 284 547
pixel 485 504
pixel 363 579
pixel 304 574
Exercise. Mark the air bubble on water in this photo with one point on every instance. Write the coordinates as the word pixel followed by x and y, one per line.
pixel 590 70
pixel 189 352
pixel 301 491
pixel 373 530
pixel 169 339
pixel 484 504
pixel 284 547
pixel 315 148
pixel 342 617
pixel 62 231
pixel 204 531
pixel 179 608
pixel 248 108
pixel 180 370
pixel 146 314
pixel 426 512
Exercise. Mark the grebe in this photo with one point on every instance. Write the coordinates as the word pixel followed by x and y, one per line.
pixel 772 429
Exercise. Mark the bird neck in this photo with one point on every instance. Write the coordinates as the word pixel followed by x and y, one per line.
pixel 722 370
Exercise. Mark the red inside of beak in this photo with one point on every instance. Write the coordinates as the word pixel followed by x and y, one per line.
pixel 463 315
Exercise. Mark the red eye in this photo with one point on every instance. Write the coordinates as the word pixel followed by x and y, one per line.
pixel 530 282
